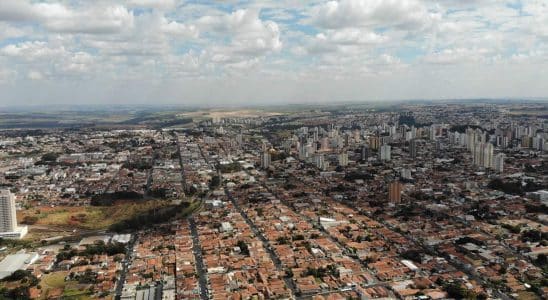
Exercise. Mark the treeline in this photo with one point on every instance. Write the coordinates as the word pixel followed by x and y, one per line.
pixel 109 199
pixel 513 187
pixel 351 176
pixel 91 250
pixel 25 281
pixel 149 218
pixel 230 168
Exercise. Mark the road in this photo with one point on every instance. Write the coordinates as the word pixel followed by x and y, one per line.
pixel 125 265
pixel 200 267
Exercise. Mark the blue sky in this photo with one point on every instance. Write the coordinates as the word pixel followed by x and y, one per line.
pixel 263 52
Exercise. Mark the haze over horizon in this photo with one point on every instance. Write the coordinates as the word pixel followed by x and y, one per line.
pixel 214 53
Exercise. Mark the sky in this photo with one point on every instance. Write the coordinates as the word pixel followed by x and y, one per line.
pixel 232 52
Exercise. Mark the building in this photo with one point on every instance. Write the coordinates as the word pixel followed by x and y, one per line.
pixel 14 262
pixel 320 162
pixel 394 192
pixel 365 153
pixel 343 158
pixel 384 153
pixel 265 159
pixel 413 148
pixel 498 164
pixel 8 217
pixel 483 155
pixel 374 142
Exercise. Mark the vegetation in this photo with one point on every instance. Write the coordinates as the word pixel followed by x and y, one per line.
pixel 24 280
pixel 91 217
pixel 230 168
pixel 282 240
pixel 413 255
pixel 153 216
pixel 330 270
pixel 351 176
pixel 91 250
pixel 244 249
pixel 215 182
pixel 534 236
pixel 513 187
pixel 110 199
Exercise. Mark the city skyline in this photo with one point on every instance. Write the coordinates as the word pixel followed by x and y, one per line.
pixel 168 52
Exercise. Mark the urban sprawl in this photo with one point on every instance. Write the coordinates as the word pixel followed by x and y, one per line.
pixel 426 202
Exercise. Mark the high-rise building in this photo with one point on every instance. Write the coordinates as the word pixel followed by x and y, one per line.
pixel 413 148
pixel 343 158
pixel 265 159
pixel 365 153
pixel 483 155
pixel 384 153
pixel 498 164
pixel 320 162
pixel 405 173
pixel 8 218
pixel 394 192
pixel 432 132
pixel 374 142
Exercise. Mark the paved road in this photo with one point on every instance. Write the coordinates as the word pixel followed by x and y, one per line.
pixel 181 165
pixel 200 267
pixel 125 265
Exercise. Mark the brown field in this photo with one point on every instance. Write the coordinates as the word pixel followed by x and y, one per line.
pixel 63 218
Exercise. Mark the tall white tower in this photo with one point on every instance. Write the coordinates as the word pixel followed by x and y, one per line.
pixel 8 218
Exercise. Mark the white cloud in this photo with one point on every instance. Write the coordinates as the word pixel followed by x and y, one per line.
pixel 35 75
pixel 158 4
pixel 96 18
pixel 458 55
pixel 402 14
pixel 196 44
pixel 31 51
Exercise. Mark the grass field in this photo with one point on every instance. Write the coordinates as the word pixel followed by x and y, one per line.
pixel 89 218
pixel 54 280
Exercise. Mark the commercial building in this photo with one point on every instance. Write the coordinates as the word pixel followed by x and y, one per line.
pixel 394 192
pixel 8 217
pixel 498 164
pixel 265 159
pixel 413 148
pixel 343 158
pixel 384 153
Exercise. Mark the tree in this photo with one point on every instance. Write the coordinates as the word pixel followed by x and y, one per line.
pixel 50 157
pixel 243 247
pixel 455 290
pixel 17 275
pixel 215 182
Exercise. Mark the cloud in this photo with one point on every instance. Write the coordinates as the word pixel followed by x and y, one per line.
pixel 401 14
pixel 56 17
pixel 249 37
pixel 458 55
pixel 35 75
pixel 158 4
pixel 32 51
pixel 301 49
